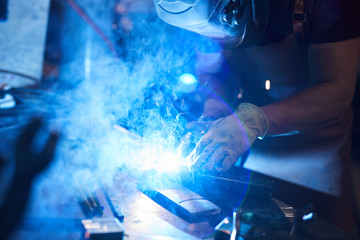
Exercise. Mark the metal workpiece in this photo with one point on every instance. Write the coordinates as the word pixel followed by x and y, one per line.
pixel 183 202
pixel 237 182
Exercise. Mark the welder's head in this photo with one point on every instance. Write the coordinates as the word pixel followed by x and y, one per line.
pixel 233 22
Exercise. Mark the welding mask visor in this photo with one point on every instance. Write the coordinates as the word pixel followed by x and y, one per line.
pixel 232 22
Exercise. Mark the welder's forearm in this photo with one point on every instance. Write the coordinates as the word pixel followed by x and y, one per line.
pixel 333 66
pixel 310 109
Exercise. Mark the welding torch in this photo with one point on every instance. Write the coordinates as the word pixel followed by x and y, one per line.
pixel 195 128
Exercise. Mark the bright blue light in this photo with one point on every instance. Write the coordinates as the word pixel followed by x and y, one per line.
pixel 188 79
pixel 308 216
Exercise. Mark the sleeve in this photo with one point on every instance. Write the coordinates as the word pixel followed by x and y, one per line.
pixel 333 20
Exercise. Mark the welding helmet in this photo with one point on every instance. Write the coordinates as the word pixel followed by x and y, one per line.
pixel 232 22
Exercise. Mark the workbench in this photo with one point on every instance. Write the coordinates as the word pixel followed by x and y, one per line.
pixel 54 211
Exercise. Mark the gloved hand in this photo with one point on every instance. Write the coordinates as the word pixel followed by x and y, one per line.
pixel 228 138
pixel 28 162
pixel 194 132
pixel 214 109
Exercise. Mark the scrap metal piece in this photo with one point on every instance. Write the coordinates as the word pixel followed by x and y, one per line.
pixel 103 228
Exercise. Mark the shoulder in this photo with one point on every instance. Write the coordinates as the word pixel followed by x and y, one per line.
pixel 331 20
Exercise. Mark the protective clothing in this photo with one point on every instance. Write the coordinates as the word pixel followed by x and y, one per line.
pixel 229 137
pixel 254 119
pixel 233 22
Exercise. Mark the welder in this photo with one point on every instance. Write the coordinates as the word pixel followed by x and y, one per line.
pixel 306 53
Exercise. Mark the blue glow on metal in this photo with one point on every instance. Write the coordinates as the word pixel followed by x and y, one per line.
pixel 161 160
pixel 308 216
pixel 188 79
pixel 7 102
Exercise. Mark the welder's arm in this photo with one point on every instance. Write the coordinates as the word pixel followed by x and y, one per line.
pixel 334 66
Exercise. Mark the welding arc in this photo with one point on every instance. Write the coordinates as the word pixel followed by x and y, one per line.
pixel 92 24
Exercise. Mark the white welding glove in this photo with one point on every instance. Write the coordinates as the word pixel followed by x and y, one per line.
pixel 229 138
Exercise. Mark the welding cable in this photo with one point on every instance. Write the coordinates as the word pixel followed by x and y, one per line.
pixel 45 93
pixel 14 111
pixel 81 12
pixel 17 92
pixel 21 75
pixel 29 106
pixel 42 93
pixel 11 110
pixel 30 90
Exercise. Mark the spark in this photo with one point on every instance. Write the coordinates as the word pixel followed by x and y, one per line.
pixel 160 159
pixel 7 102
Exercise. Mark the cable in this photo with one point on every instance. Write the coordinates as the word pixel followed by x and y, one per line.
pixel 92 24
pixel 28 105
pixel 21 75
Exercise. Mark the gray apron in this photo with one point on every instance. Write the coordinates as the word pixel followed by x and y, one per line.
pixel 314 159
